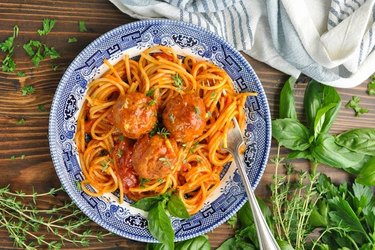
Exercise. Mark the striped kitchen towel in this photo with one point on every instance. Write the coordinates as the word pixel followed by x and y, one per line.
pixel 330 41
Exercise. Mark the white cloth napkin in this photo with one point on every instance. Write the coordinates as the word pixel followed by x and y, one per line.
pixel 330 41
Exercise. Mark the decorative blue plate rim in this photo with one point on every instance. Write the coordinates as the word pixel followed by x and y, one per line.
pixel 104 211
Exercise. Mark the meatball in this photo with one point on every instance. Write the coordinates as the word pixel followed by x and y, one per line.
pixel 154 157
pixel 184 117
pixel 134 114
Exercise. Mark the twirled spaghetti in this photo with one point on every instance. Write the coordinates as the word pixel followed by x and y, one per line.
pixel 161 85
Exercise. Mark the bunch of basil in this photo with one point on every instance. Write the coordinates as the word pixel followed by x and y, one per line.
pixel 352 151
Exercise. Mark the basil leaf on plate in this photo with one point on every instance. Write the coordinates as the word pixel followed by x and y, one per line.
pixel 160 225
pixel 287 107
pixel 147 203
pixel 316 97
pixel 367 174
pixel 291 134
pixel 200 242
pixel 326 151
pixel 361 140
pixel 177 208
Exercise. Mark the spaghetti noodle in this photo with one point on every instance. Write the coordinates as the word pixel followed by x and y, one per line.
pixel 161 85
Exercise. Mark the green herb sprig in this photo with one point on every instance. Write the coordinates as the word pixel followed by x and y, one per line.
pixel 48 25
pixel 8 64
pixel 38 51
pixel 354 104
pixel 23 221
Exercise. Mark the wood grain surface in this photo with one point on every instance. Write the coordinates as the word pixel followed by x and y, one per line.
pixel 31 138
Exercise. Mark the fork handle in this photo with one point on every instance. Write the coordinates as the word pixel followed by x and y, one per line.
pixel 265 237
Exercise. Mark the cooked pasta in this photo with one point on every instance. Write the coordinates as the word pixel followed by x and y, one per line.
pixel 157 124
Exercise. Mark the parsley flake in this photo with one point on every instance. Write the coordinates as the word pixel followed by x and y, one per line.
pixel 13 157
pixel 142 182
pixel 21 73
pixel 38 51
pixel 21 121
pixel 152 102
pixel 166 161
pixel 177 81
pixel 197 110
pixel 48 24
pixel 41 108
pixel 72 40
pixel 354 104
pixel 8 64
pixel 23 157
pixel 105 165
pixel 121 137
pixel 82 26
pixel 171 118
pixel 27 89
pixel 54 67
pixel 150 92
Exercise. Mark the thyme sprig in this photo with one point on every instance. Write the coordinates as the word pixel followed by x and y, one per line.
pixel 23 221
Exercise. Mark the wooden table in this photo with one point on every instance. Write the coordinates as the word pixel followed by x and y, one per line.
pixel 31 139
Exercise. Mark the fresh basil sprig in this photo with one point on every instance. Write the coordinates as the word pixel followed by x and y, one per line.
pixel 159 223
pixel 349 151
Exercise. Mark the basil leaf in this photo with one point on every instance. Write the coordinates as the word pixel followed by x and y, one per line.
pixel 200 242
pixel 320 118
pixel 291 134
pixel 326 151
pixel 301 155
pixel 287 107
pixel 360 140
pixel 245 216
pixel 147 203
pixel 319 215
pixel 177 208
pixel 160 226
pixel 317 96
pixel 229 244
pixel 236 244
pixel 367 174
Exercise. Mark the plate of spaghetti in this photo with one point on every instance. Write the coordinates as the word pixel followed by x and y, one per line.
pixel 144 111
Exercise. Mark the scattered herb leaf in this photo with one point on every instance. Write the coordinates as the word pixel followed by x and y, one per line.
pixel 163 132
pixel 354 104
pixel 152 102
pixel 54 67
pixel 13 157
pixel 177 81
pixel 27 89
pixel 150 92
pixel 171 118
pixel 21 121
pixel 82 26
pixel 48 24
pixel 105 164
pixel 166 161
pixel 8 64
pixel 38 51
pixel 41 108
pixel 72 40
pixel 21 73
pixel 371 86
pixel 23 157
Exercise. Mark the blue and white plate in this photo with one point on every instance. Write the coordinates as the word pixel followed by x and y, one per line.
pixel 132 39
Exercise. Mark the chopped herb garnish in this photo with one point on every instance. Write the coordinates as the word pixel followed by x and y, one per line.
pixel 13 157
pixel 150 92
pixel 23 157
pixel 21 73
pixel 163 132
pixel 354 104
pixel 213 96
pixel 38 51
pixel 197 110
pixel 160 180
pixel 371 86
pixel 21 121
pixel 119 153
pixel 142 182
pixel 8 64
pixel 82 26
pixel 209 114
pixel 27 89
pixel 72 40
pixel 171 118
pixel 152 102
pixel 121 137
pixel 41 108
pixel 193 147
pixel 177 81
pixel 166 161
pixel 78 185
pixel 105 165
pixel 47 26
pixel 54 67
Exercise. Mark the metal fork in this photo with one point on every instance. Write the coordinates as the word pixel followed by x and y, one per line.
pixel 265 237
